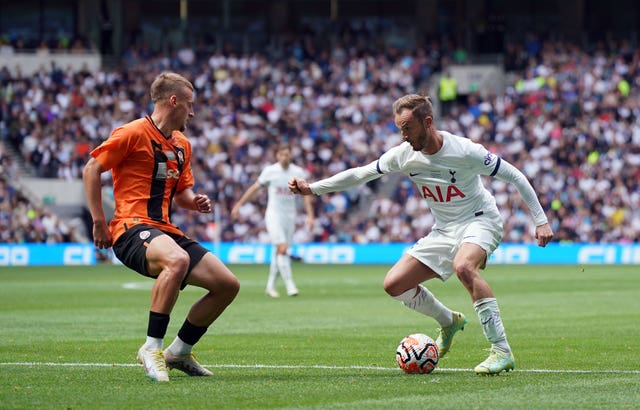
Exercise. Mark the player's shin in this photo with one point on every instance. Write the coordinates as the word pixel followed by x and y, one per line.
pixel 426 303
pixel 156 330
pixel 284 265
pixel 188 335
pixel 273 274
pixel 489 316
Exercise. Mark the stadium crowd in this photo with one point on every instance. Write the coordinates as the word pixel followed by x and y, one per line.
pixel 570 121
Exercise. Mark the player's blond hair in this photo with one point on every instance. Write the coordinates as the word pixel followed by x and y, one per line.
pixel 167 84
pixel 419 105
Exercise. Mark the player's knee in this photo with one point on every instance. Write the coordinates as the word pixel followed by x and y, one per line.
pixel 226 289
pixel 465 271
pixel 393 287
pixel 177 262
pixel 232 286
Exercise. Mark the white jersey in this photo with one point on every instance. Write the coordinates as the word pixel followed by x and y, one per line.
pixel 448 180
pixel 281 202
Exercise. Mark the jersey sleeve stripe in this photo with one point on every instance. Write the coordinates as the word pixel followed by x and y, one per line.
pixel 378 167
pixel 495 170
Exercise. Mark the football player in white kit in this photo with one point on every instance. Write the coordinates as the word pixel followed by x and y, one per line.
pixel 446 169
pixel 280 215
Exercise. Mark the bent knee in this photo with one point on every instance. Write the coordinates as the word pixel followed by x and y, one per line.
pixel 222 284
pixel 176 263
pixel 232 286
pixel 466 272
pixel 226 289
pixel 394 287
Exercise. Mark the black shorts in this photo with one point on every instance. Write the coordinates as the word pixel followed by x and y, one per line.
pixel 131 248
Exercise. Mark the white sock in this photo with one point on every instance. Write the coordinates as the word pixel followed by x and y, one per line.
pixel 489 316
pixel 178 347
pixel 273 274
pixel 153 343
pixel 284 265
pixel 427 304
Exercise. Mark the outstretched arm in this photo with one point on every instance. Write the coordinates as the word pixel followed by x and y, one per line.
pixel 341 181
pixel 299 186
pixel 511 174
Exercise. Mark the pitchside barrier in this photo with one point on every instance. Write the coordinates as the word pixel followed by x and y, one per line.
pixel 336 253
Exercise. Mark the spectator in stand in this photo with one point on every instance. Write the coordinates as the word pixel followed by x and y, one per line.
pixel 447 91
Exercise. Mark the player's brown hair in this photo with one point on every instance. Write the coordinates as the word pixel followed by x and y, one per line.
pixel 419 105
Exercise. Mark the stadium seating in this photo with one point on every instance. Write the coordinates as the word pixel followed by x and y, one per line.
pixel 570 119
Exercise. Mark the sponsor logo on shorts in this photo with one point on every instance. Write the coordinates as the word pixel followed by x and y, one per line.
pixel 144 235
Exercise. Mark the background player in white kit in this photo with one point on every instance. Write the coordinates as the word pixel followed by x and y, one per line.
pixel 468 227
pixel 280 215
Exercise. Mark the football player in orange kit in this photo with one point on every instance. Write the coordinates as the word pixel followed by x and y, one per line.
pixel 149 159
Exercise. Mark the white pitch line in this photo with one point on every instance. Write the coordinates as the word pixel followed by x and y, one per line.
pixel 265 366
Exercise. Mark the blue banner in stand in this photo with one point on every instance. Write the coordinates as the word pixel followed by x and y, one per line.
pixel 47 254
pixel 338 253
pixel 507 253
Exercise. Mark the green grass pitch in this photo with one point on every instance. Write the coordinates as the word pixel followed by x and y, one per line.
pixel 69 336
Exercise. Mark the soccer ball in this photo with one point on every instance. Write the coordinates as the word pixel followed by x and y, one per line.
pixel 417 353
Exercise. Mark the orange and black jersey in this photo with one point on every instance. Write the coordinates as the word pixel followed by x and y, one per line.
pixel 147 169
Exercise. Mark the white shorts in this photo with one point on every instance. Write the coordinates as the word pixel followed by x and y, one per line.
pixel 438 249
pixel 280 229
